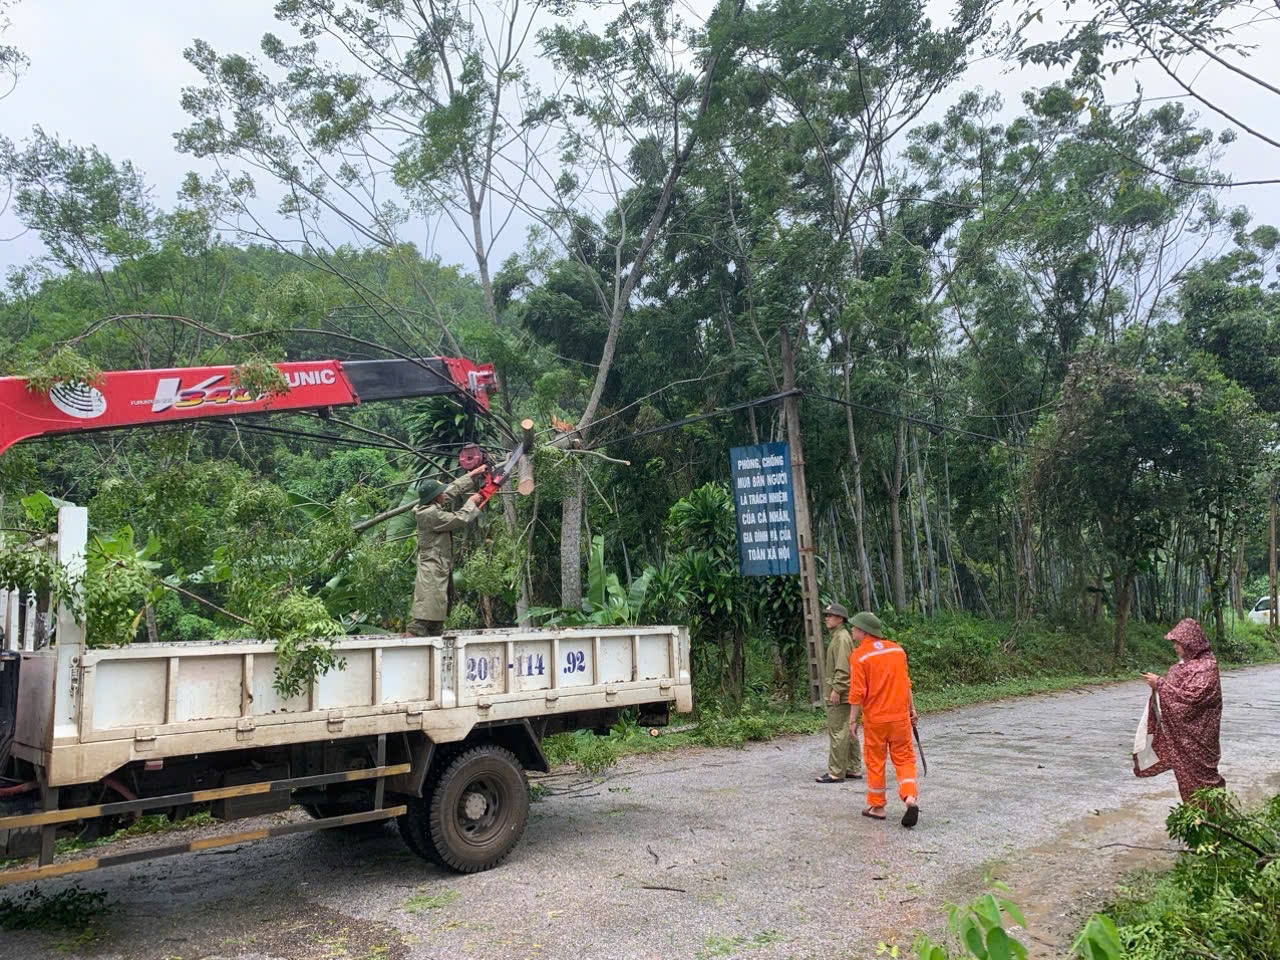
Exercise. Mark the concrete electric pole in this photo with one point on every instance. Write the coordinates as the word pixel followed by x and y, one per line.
pixel 804 532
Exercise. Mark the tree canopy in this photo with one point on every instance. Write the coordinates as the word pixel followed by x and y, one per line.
pixel 1038 346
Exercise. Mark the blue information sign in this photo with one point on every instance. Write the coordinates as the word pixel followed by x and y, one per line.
pixel 765 510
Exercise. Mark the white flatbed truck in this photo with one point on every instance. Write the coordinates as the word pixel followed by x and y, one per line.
pixel 435 732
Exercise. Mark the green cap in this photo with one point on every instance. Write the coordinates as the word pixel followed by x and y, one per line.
pixel 428 490
pixel 835 610
pixel 868 623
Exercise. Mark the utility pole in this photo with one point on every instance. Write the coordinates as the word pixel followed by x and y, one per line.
pixel 804 532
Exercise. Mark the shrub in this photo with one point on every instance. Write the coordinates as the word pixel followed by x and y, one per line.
pixel 583 750
pixel 1222 897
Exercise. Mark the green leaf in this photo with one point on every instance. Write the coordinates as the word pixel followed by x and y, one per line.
pixel 1011 908
pixel 597 595
pixel 1100 940
pixel 998 945
pixel 973 939
pixel 988 912
pixel 38 508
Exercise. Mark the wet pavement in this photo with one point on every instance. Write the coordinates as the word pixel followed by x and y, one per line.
pixel 712 853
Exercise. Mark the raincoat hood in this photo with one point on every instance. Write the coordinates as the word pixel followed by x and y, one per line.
pixel 1194 643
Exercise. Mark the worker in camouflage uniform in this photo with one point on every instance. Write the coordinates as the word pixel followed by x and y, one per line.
pixel 843 757
pixel 436 523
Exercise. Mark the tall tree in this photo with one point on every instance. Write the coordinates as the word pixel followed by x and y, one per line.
pixel 1190 42
pixel 629 120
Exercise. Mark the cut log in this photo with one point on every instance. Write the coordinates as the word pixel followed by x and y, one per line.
pixel 524 469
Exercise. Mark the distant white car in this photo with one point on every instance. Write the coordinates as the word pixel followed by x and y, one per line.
pixel 1261 612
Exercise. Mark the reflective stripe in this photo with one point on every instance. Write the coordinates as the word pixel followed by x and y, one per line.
pixel 903 782
pixel 875 789
pixel 879 653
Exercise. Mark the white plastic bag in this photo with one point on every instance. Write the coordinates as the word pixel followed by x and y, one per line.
pixel 1143 755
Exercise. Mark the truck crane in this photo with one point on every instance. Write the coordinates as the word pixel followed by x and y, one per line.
pixel 433 732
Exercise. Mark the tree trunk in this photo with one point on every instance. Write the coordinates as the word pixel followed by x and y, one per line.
pixel 859 504
pixel 1238 596
pixel 571 542
pixel 1213 569
pixel 1123 599
pixel 570 545
pixel 913 495
pixel 893 489
pixel 509 514
pixel 738 668
pixel 930 555
pixel 513 528
pixel 1024 554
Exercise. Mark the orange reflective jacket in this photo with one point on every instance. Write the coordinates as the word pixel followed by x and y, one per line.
pixel 878 681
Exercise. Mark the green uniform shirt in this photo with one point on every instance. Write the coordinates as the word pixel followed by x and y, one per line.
pixel 436 524
pixel 836 674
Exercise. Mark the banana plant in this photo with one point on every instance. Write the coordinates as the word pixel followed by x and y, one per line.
pixel 606 601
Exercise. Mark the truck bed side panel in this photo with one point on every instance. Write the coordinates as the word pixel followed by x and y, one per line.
pixel 150 701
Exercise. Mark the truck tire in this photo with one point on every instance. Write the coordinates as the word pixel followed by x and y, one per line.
pixel 414 830
pixel 477 812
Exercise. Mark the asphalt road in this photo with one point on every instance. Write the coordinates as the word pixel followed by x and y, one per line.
pixel 711 853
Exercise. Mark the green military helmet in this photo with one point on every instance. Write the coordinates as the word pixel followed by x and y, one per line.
pixel 428 490
pixel 868 623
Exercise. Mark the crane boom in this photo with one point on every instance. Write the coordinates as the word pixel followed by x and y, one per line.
pixel 135 398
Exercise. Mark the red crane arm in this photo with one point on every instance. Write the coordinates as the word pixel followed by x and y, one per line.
pixel 134 398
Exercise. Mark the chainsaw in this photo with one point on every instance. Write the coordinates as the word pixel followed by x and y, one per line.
pixel 471 456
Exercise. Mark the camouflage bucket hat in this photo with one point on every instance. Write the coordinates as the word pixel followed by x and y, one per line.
pixel 428 490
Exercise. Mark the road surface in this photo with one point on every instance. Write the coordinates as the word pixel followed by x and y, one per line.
pixel 711 853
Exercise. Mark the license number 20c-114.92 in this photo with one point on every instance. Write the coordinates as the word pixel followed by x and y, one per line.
pixel 530 665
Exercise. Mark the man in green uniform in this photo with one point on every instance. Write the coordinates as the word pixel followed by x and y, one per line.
pixel 436 523
pixel 843 760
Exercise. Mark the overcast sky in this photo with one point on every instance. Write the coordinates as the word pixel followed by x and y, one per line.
pixel 110 73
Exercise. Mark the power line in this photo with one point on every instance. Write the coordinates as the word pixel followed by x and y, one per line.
pixel 920 421
pixel 235 425
pixel 774 397
pixel 684 422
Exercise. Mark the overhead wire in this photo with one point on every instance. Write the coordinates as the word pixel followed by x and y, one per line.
pixel 922 422
pixel 697 418
pixel 236 424
pixel 782 395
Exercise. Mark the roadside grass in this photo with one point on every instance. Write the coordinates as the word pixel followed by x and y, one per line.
pixel 956 660
pixel 1220 900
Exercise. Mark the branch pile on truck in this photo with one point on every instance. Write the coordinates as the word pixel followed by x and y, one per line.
pixel 435 732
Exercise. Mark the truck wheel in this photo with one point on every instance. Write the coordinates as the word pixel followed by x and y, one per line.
pixel 414 830
pixel 478 810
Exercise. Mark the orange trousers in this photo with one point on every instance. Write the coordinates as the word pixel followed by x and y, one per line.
pixel 893 738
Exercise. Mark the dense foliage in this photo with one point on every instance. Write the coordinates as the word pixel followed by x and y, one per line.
pixel 1221 899
pixel 1039 348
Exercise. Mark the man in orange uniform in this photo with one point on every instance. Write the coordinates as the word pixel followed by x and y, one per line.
pixel 880 691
